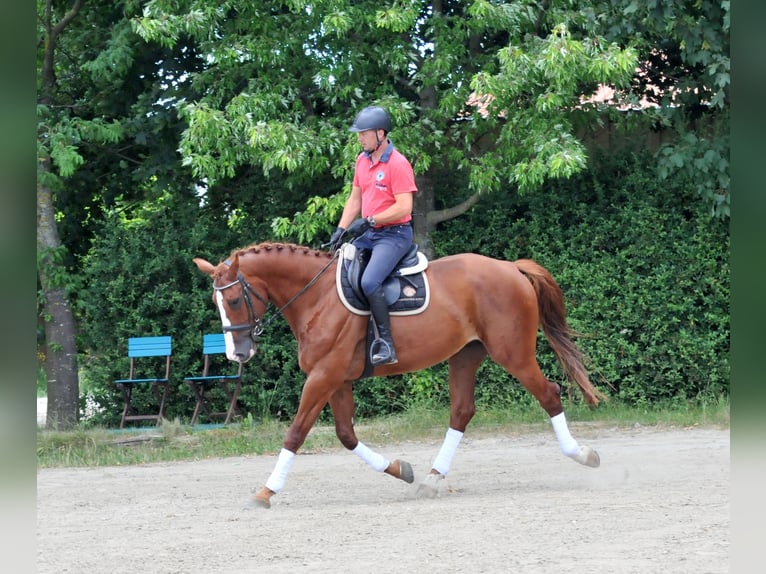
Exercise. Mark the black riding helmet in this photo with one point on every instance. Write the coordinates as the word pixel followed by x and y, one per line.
pixel 371 118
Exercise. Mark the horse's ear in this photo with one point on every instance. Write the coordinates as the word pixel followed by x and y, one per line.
pixel 231 269
pixel 234 265
pixel 204 266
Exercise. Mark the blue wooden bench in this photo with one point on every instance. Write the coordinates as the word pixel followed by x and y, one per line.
pixel 215 373
pixel 148 356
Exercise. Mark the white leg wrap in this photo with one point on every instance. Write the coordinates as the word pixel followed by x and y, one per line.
pixel 278 476
pixel 443 460
pixel 567 443
pixel 376 461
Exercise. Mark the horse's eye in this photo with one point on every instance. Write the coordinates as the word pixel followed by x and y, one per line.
pixel 234 303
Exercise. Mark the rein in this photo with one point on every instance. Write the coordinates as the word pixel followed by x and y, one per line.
pixel 256 326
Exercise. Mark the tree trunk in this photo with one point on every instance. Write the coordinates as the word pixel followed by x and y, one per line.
pixel 60 331
pixel 423 205
pixel 425 217
pixel 60 342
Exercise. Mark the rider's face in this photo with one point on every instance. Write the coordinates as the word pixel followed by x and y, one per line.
pixel 369 139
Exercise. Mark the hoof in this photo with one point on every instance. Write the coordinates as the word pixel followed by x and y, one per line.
pixel 256 502
pixel 261 499
pixel 588 457
pixel 429 486
pixel 405 472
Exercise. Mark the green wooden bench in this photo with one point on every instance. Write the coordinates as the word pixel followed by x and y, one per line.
pixel 215 373
pixel 148 356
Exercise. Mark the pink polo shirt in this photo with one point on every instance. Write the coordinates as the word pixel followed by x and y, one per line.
pixel 381 182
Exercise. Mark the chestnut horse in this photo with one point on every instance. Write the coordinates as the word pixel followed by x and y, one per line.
pixel 478 307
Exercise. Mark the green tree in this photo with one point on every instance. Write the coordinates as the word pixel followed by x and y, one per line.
pixel 683 70
pixel 480 93
pixel 55 149
pixel 105 137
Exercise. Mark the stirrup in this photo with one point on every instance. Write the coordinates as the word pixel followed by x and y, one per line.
pixel 385 354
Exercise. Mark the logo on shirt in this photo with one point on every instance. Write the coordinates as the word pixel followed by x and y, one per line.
pixel 379 176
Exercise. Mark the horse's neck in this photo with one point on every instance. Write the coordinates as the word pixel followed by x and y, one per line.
pixel 284 274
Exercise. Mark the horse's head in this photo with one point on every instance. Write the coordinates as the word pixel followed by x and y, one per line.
pixel 241 307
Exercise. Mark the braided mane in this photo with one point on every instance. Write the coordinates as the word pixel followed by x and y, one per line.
pixel 269 246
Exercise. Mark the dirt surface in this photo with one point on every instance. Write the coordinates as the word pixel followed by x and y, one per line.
pixel 659 503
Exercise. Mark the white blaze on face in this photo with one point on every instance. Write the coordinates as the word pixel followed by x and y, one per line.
pixel 227 336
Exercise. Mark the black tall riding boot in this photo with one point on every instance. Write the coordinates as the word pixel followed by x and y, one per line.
pixel 382 351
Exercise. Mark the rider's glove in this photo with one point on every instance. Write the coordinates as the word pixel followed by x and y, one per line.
pixel 358 227
pixel 335 238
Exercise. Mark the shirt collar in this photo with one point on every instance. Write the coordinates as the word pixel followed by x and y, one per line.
pixel 386 154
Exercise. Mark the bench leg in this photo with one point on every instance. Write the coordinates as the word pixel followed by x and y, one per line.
pixel 200 388
pixel 199 394
pixel 127 392
pixel 233 397
pixel 160 393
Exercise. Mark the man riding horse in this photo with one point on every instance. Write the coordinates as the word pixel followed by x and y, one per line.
pixel 382 192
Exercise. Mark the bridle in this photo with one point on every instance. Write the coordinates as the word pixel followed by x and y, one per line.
pixel 255 324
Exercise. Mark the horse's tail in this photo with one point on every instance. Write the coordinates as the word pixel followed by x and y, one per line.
pixel 553 321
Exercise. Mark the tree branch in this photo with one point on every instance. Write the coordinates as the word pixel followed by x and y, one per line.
pixel 49 75
pixel 437 216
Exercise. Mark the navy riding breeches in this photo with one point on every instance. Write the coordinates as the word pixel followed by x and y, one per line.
pixel 388 245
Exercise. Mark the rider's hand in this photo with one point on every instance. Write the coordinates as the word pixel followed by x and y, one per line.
pixel 358 227
pixel 335 238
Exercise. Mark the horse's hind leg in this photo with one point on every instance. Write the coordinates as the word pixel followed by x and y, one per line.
pixel 548 394
pixel 342 404
pixel 462 385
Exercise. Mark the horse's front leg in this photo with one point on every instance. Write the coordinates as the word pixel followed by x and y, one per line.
pixel 342 404
pixel 313 399
pixel 462 385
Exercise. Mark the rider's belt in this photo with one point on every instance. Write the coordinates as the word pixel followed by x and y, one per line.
pixel 385 225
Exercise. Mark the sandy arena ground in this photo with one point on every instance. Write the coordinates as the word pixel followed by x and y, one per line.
pixel 659 503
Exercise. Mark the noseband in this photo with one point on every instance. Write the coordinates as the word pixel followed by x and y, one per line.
pixel 255 326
